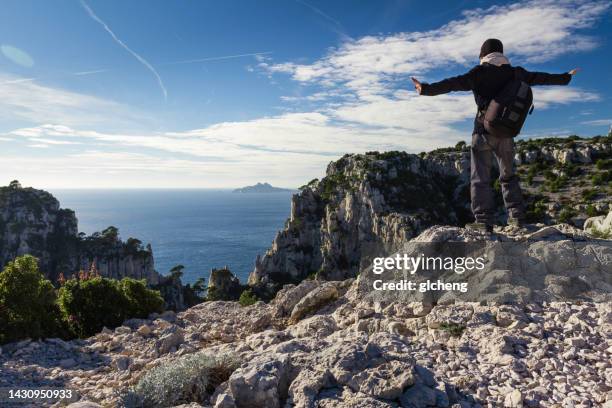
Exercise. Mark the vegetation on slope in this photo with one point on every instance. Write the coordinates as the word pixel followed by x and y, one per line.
pixel 30 306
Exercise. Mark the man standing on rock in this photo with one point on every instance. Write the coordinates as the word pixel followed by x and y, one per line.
pixel 486 80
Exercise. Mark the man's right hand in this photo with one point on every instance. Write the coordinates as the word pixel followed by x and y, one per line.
pixel 574 71
pixel 417 85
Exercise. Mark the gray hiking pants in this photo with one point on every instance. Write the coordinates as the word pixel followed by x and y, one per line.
pixel 483 203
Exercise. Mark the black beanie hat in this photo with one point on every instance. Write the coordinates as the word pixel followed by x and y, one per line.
pixel 491 45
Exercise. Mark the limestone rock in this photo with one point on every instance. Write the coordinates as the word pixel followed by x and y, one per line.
pixel 419 396
pixel 144 330
pixel 68 363
pixel 84 404
pixel 286 299
pixel 514 399
pixel 171 340
pixel 306 386
pixel 263 383
pixel 600 225
pixel 314 300
pixel 225 401
pixel 386 381
pixel 121 363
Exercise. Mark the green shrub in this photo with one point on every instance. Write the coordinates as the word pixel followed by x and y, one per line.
pixel 330 184
pixel 591 211
pixel 296 224
pixel 247 298
pixel 455 329
pixel 27 302
pixel 549 175
pixel 536 211
pixel 566 214
pixel 603 164
pixel 89 305
pixel 570 170
pixel 191 378
pixel 601 178
pixel 556 184
pixel 141 300
pixel 588 195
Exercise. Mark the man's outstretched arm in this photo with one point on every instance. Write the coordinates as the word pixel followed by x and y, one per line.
pixel 543 78
pixel 463 82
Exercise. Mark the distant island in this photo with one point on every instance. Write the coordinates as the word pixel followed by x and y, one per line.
pixel 262 188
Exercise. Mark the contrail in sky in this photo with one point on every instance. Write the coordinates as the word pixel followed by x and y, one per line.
pixel 128 49
pixel 337 26
pixel 225 57
pixel 99 71
pixel 95 71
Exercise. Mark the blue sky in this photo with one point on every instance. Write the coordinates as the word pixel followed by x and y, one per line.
pixel 227 93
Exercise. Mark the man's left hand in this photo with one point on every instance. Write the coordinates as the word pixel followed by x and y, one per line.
pixel 417 85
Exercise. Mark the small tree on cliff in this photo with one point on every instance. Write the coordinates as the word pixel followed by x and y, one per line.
pixel 110 234
pixel 177 271
pixel 199 287
pixel 15 185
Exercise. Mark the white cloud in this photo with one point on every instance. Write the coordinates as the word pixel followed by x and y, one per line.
pixel 53 141
pixel 287 149
pixel 544 97
pixel 410 112
pixel 598 122
pixel 531 31
pixel 24 99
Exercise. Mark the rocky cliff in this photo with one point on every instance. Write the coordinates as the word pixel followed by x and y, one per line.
pixel 32 222
pixel 374 203
pixel 366 204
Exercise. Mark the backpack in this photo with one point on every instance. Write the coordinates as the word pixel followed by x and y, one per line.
pixel 506 113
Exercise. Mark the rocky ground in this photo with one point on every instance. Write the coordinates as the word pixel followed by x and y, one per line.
pixel 325 344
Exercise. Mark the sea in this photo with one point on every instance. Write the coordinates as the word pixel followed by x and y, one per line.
pixel 199 229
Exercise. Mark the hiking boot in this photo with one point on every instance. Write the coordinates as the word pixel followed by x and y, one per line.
pixel 480 227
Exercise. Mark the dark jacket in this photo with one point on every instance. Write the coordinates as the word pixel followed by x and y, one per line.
pixel 487 80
